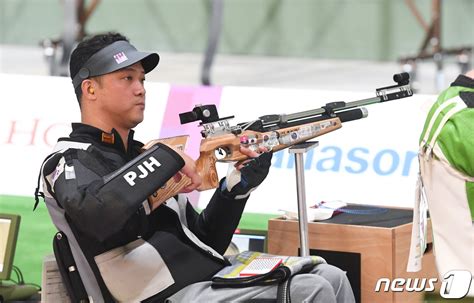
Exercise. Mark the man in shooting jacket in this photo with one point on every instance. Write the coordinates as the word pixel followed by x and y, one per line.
pixel 96 184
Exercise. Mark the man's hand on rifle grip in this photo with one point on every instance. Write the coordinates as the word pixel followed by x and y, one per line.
pixel 189 170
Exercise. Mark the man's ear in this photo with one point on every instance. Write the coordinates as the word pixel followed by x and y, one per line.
pixel 88 90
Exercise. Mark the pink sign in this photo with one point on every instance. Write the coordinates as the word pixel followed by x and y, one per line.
pixel 182 99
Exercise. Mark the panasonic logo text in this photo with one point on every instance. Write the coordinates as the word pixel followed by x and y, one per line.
pixel 147 166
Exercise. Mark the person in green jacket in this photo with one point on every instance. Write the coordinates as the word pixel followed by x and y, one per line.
pixel 446 188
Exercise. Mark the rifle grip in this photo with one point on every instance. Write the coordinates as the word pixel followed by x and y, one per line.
pixel 206 165
pixel 170 189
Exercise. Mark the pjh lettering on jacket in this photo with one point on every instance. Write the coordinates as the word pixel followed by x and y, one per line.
pixel 146 167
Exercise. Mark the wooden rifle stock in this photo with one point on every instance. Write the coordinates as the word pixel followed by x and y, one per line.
pixel 172 186
pixel 228 146
pixel 205 165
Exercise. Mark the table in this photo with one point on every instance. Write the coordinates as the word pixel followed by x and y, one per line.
pixel 368 247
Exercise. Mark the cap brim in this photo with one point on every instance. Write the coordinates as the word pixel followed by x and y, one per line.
pixel 149 60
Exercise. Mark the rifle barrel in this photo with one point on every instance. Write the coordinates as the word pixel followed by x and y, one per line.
pixel 344 116
pixel 319 111
pixel 383 95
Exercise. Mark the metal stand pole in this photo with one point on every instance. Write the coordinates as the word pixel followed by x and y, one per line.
pixel 299 150
pixel 71 20
pixel 215 26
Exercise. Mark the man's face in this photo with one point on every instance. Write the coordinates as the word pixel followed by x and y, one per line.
pixel 121 96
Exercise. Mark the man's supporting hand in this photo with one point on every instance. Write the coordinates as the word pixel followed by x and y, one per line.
pixel 246 175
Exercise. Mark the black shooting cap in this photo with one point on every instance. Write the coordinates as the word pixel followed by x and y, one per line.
pixel 113 57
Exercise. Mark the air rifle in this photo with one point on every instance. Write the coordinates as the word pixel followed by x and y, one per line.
pixel 222 141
